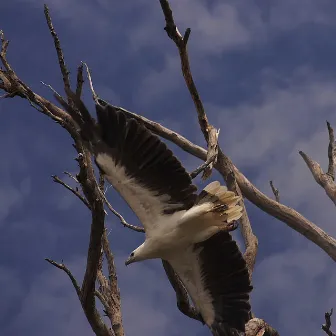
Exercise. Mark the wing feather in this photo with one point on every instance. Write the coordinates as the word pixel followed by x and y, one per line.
pixel 141 167
pixel 215 275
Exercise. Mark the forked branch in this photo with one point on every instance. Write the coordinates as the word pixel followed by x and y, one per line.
pixel 209 131
pixel 325 180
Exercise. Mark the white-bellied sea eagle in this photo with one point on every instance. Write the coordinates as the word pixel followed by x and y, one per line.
pixel 185 229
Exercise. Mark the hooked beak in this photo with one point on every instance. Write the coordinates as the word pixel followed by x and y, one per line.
pixel 128 261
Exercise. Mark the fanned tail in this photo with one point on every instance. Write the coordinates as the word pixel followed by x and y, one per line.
pixel 219 201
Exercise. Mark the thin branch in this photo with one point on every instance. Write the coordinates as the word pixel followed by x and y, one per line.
pixel 100 332
pixel 326 327
pixel 94 95
pixel 53 90
pixel 324 180
pixel 275 192
pixel 121 218
pixel 202 167
pixel 331 152
pixel 282 212
pixel 68 272
pixel 209 131
pixel 212 151
pixel 75 192
pixel 71 176
pixel 59 51
pixel 104 302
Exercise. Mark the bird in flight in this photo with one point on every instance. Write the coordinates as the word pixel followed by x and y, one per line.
pixel 186 229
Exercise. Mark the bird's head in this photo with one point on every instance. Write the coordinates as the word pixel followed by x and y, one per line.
pixel 132 258
pixel 143 252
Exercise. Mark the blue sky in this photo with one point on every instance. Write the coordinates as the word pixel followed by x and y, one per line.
pixel 266 72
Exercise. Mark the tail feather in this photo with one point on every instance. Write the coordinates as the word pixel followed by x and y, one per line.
pixel 221 201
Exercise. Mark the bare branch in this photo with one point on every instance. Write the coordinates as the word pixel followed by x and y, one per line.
pixel 60 56
pixel 71 176
pixel 326 327
pixel 250 240
pixel 324 180
pixel 114 293
pixel 75 192
pixel 275 192
pixel 282 212
pixel 209 132
pixel 68 272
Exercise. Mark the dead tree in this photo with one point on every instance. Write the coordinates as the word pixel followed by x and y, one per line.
pixel 91 191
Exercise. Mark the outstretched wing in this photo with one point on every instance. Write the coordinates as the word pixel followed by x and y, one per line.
pixel 215 275
pixel 141 168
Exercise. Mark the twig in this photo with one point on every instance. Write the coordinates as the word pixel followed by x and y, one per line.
pixel 203 166
pixel 53 90
pixel 209 132
pixel 71 176
pixel 121 218
pixel 101 332
pixel 59 51
pixel 80 81
pixel 331 152
pixel 68 272
pixel 275 192
pixel 282 212
pixel 75 192
pixel 94 95
pixel 326 327
pixel 3 52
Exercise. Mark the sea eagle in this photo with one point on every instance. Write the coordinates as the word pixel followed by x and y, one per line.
pixel 185 229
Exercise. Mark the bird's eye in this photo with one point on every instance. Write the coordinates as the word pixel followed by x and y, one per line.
pixel 132 254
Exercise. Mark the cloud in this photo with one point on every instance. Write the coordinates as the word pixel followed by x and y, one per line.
pixel 265 135
pixel 284 113
pixel 50 305
pixel 294 289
